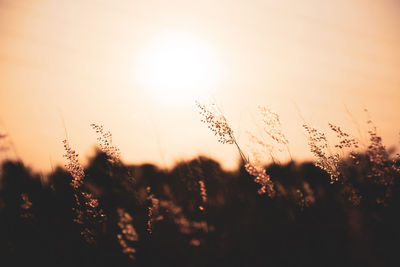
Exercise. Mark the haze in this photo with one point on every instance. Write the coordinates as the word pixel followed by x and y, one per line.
pixel 91 61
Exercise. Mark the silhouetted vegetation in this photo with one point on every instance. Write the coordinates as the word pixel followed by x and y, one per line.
pixel 195 214
pixel 339 210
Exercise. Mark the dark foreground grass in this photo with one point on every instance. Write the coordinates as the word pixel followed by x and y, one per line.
pixel 196 214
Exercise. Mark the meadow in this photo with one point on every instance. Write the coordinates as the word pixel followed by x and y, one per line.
pixel 339 210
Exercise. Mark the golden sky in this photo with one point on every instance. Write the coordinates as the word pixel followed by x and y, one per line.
pixel 136 67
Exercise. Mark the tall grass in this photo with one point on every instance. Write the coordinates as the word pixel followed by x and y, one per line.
pixel 381 168
pixel 197 211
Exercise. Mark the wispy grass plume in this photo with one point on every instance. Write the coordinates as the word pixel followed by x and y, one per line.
pixel 319 147
pixel 218 124
pixel 88 213
pixel 128 234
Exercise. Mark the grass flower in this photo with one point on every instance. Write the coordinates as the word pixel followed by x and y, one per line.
pixel 87 210
pixel 152 209
pixel 203 193
pixel 106 143
pixel 319 147
pixel 272 125
pixel 261 178
pixel 216 122
pixel 128 233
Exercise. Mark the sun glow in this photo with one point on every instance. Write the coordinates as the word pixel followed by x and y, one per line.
pixel 179 67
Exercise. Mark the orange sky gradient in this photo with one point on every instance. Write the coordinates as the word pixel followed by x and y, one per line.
pixel 117 63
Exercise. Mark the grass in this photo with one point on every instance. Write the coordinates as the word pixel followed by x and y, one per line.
pixel 339 210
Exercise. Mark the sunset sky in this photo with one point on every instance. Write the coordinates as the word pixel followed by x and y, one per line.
pixel 137 67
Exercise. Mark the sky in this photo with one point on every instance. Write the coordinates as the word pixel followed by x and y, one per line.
pixel 137 68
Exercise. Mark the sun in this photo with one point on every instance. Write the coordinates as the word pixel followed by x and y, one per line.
pixel 179 67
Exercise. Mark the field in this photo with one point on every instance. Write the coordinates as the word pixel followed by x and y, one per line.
pixel 339 210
